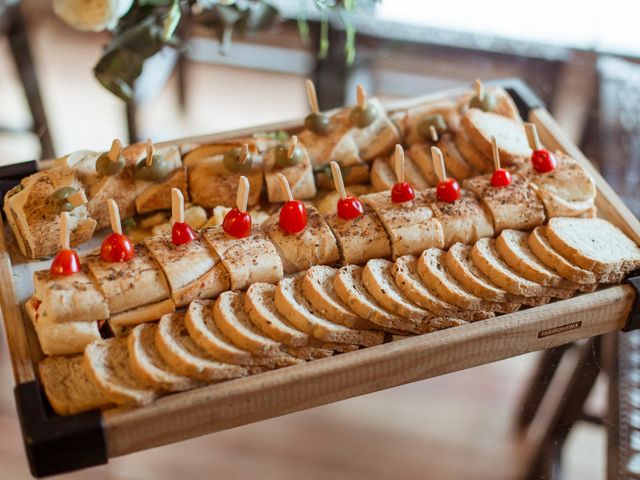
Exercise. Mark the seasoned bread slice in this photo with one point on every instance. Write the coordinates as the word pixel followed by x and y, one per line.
pixel 68 387
pixel 180 351
pixel 291 303
pixel 317 287
pixel 148 365
pixel 594 244
pixel 349 287
pixel 489 262
pixel 107 365
pixel 382 176
pixel 405 273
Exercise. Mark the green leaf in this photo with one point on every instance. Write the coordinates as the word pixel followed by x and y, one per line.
pixel 171 20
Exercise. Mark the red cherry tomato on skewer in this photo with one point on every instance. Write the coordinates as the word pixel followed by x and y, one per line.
pixel 402 192
pixel 543 161
pixel 237 223
pixel 182 233
pixel 116 248
pixel 349 208
pixel 293 216
pixel 65 263
pixel 448 190
pixel 501 178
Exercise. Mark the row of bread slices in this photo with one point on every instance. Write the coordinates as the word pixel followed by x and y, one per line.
pixel 326 310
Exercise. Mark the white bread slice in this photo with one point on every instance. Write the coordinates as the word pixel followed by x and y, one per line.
pixel 474 157
pixel 489 262
pixel 187 358
pixel 148 365
pixel 349 287
pixel 315 245
pixel 293 306
pixel 360 239
pixel 405 272
pixel 317 287
pixel 210 285
pixel 513 248
pixel 107 365
pixel 512 141
pixel 411 226
pixel 68 387
pixel 377 278
pixel 594 244
pixel 515 206
pixel 248 260
pixel 382 175
pixel 145 313
pixel 465 220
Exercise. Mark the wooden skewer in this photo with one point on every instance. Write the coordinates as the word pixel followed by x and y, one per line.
pixel 114 152
pixel 65 234
pixel 337 179
pixel 479 88
pixel 243 194
pixel 496 153
pixel 438 163
pixel 361 97
pixel 312 96
pixel 286 188
pixel 244 154
pixel 177 206
pixel 292 146
pixel 114 216
pixel 77 199
pixel 434 134
pixel 398 160
pixel 150 152
pixel 532 136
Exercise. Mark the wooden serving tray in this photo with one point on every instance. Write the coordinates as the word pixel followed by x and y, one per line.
pixel 59 444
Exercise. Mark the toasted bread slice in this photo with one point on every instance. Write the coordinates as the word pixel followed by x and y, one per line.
pixel 414 173
pixel 157 195
pixel 148 365
pixel 474 157
pixel 107 365
pixel 489 262
pixel 300 178
pixel 382 175
pixel 180 351
pixel 457 166
pixel 594 244
pixel 294 307
pixel 512 141
pixel 405 273
pixel 317 287
pixel 420 156
pixel 349 287
pixel 68 387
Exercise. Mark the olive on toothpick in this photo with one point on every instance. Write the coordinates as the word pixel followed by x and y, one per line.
pixel 111 162
pixel 116 247
pixel 238 160
pixel 237 221
pixel 316 121
pixel 482 99
pixel 181 231
pixel 363 114
pixel 287 156
pixel 448 189
pixel 293 214
pixel 401 192
pixel 66 262
pixel 68 198
pixel 543 160
pixel 427 124
pixel 500 177
pixel 153 167
pixel 348 206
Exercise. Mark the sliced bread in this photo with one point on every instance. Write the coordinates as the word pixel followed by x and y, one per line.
pixel 382 176
pixel 474 157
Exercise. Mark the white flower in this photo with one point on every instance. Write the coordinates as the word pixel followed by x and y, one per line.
pixel 91 15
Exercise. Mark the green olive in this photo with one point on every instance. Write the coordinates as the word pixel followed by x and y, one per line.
pixel 363 117
pixel 105 167
pixel 159 169
pixel 61 198
pixel 283 159
pixel 232 163
pixel 488 102
pixel 437 121
pixel 317 122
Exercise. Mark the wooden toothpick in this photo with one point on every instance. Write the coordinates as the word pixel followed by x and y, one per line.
pixel 244 154
pixel 243 194
pixel 361 97
pixel 479 88
pixel 496 153
pixel 337 179
pixel 434 134
pixel 114 152
pixel 286 188
pixel 292 146
pixel 532 136
pixel 150 152
pixel 398 160
pixel 438 163
pixel 312 96
pixel 114 216
pixel 65 234
pixel 177 206
pixel 77 199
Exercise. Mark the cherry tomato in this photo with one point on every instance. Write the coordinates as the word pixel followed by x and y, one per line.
pixel 543 161
pixel 448 190
pixel 293 216
pixel 116 248
pixel 349 208
pixel 402 192
pixel 65 263
pixel 501 178
pixel 237 223
pixel 182 233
